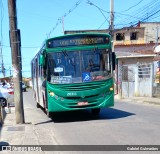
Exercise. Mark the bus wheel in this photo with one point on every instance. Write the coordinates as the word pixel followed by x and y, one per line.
pixel 49 114
pixel 3 102
pixel 96 111
pixel 37 105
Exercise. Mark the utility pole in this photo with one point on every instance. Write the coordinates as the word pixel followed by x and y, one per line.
pixel 10 71
pixel 1 58
pixel 16 62
pixel 157 29
pixel 111 24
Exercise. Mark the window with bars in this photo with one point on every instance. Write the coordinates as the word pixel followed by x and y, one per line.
pixel 133 36
pixel 120 36
pixel 144 71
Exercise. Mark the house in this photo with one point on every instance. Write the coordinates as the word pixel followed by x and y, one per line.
pixel 135 75
pixel 141 40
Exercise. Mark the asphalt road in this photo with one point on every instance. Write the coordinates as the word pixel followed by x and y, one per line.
pixel 127 123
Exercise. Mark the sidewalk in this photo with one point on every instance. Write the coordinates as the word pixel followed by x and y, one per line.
pixel 30 133
pixel 149 100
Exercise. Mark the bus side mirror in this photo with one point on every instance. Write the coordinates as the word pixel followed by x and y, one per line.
pixel 41 60
pixel 113 60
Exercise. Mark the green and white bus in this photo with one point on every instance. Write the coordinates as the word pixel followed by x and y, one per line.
pixel 74 72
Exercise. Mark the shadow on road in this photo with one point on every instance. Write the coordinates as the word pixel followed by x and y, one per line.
pixel 111 113
pixel 86 115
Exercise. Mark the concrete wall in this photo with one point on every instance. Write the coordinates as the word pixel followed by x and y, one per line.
pixel 134 48
pixel 127 32
pixel 151 31
pixel 146 33
pixel 135 85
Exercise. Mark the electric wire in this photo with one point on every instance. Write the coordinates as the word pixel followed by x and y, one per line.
pixel 59 20
pixel 133 6
pixel 144 14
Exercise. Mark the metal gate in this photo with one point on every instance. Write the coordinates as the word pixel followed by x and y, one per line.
pixel 128 80
pixel 145 79
pixel 137 80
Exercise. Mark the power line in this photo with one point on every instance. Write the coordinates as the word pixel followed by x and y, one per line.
pixel 2 16
pixel 7 46
pixel 142 18
pixel 102 24
pixel 89 2
pixel 59 20
pixel 146 18
pixel 132 6
pixel 101 10
pixel 128 15
pixel 144 13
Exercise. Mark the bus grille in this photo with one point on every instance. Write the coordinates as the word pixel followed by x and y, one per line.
pixel 80 87
pixel 93 100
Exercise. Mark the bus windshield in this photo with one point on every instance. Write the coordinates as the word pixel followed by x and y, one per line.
pixel 78 66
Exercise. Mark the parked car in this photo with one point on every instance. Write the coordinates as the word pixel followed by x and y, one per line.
pixel 23 87
pixel 6 96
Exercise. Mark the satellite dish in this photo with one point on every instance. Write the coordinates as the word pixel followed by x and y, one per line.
pixel 157 49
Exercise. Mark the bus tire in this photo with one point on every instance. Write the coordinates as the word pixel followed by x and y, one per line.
pixel 96 111
pixel 3 102
pixel 38 105
pixel 49 114
pixel 34 95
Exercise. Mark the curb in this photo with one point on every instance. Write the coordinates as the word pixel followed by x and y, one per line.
pixel 139 101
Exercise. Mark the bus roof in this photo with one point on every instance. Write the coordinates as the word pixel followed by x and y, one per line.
pixel 45 43
pixel 80 34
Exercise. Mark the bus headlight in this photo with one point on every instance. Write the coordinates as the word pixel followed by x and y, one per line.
pixel 111 89
pixel 52 94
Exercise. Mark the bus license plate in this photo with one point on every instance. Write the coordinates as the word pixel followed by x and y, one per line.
pixel 82 103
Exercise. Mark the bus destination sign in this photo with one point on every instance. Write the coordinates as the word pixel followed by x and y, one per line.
pixel 76 41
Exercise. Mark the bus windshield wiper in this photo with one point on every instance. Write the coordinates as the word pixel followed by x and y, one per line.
pixel 72 63
pixel 66 55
